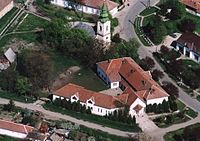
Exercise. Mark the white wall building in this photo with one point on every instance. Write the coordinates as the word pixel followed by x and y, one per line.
pixel 5 7
pixel 15 130
pixel 88 6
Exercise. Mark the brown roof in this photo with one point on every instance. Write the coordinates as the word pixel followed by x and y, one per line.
pixel 15 127
pixel 102 100
pixel 98 3
pixel 133 76
pixel 4 3
pixel 191 40
pixel 195 4
pixel 111 69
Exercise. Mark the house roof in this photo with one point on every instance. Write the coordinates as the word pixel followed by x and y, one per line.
pixel 4 3
pixel 194 4
pixel 130 74
pixel 102 100
pixel 98 3
pixel 111 69
pixel 36 136
pixel 10 55
pixel 15 127
pixel 191 40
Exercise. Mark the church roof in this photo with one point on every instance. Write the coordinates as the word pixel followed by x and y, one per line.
pixel 104 16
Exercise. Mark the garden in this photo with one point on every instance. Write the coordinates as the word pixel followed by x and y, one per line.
pixel 189 133
pixel 157 23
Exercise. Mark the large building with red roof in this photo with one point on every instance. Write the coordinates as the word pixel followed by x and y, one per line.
pixel 192 6
pixel 139 89
pixel 88 6
pixel 15 130
pixel 5 6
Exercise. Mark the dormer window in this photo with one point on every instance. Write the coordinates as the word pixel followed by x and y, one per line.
pixel 74 98
pixel 90 102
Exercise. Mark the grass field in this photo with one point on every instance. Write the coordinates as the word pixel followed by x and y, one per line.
pixel 148 11
pixel 7 138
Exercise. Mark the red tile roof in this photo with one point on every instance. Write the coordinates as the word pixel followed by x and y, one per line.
pixel 102 100
pixel 4 3
pixel 98 3
pixel 195 4
pixel 132 75
pixel 15 127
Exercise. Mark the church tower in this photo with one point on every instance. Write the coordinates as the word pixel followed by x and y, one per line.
pixel 104 25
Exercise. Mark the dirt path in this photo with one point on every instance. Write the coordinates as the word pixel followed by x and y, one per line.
pixel 64 77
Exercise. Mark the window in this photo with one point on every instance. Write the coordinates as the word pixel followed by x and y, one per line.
pixel 101 110
pixel 98 109
pixel 106 28
pixel 90 102
pixel 86 9
pixel 74 98
pixel 114 84
pixel 100 28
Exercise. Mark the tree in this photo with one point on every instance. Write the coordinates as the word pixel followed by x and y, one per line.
pixel 10 106
pixel 47 1
pixel 127 49
pixel 8 79
pixel 147 63
pixel 22 85
pixel 37 67
pixel 187 25
pixel 170 89
pixel 157 74
pixel 164 50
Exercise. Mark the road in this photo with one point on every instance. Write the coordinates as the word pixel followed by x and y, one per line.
pixel 126 30
pixel 57 116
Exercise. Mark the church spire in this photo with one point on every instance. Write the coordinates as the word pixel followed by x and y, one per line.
pixel 104 16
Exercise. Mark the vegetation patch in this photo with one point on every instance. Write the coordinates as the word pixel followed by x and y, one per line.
pixel 148 11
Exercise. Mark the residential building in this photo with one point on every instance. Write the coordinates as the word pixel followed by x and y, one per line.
pixel 139 89
pixel 192 6
pixel 127 74
pixel 5 7
pixel 189 45
pixel 15 130
pixel 8 57
pixel 88 6
pixel 104 25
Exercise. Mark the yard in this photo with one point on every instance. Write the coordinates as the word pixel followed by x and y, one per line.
pixel 184 115
pixel 7 138
pixel 178 134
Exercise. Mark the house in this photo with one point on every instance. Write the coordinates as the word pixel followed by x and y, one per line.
pixel 189 45
pixel 36 136
pixel 192 6
pixel 139 89
pixel 8 58
pixel 15 130
pixel 127 74
pixel 88 6
pixel 5 7
pixel 99 103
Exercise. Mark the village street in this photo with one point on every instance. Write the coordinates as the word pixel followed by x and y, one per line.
pixel 126 29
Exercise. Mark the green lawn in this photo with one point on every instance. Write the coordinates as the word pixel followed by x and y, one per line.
pixel 93 118
pixel 191 113
pixel 32 22
pixel 196 19
pixel 15 97
pixel 198 98
pixel 6 18
pixel 191 63
pixel 148 11
pixel 170 136
pixel 7 138
pixel 138 31
pixel 29 37
pixel 148 19
pixel 180 105
pixel 89 79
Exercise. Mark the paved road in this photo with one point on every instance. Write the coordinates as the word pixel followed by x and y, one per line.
pixel 54 115
pixel 126 19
